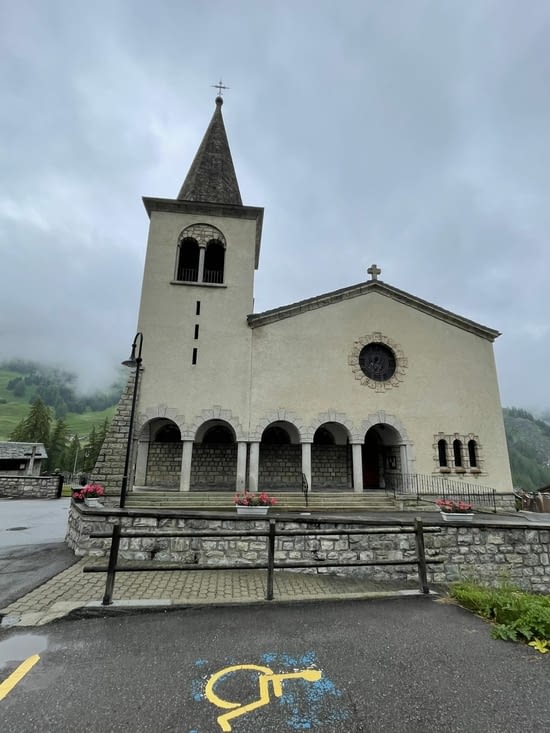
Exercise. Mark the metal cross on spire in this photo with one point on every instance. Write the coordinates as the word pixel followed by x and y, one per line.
pixel 219 86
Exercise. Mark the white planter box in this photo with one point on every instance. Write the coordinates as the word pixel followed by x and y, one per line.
pixel 457 516
pixel 252 511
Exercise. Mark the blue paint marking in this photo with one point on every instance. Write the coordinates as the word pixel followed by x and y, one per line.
pixel 307 704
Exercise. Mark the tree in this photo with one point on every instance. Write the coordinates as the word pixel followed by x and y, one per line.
pixel 35 428
pixel 58 446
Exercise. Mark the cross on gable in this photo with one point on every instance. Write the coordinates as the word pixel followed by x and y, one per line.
pixel 374 271
pixel 219 86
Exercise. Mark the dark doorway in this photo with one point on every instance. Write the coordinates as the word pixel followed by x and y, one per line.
pixel 370 453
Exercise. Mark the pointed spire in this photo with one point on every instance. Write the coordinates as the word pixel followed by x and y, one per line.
pixel 211 177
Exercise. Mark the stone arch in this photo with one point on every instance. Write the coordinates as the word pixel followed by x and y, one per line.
pixel 203 234
pixel 159 450
pixel 387 454
pixel 280 415
pixel 331 460
pixel 214 462
pixel 214 413
pixel 331 416
pixel 159 411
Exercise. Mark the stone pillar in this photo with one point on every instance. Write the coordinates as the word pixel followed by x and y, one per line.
pixel 254 467
pixel 140 476
pixel 241 466
pixel 306 463
pixel 357 460
pixel 404 467
pixel 186 457
pixel 202 251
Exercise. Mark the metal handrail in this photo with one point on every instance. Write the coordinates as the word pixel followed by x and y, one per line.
pixel 372 527
pixel 423 485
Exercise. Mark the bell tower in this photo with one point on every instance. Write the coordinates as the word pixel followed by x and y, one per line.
pixel 202 251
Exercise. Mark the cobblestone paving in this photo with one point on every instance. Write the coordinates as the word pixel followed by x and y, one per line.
pixel 201 586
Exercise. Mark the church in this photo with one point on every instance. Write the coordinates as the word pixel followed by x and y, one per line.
pixel 353 390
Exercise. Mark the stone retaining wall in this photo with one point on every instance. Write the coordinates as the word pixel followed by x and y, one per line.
pixel 29 487
pixel 481 551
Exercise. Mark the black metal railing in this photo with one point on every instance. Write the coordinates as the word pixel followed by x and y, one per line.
pixel 362 527
pixel 441 487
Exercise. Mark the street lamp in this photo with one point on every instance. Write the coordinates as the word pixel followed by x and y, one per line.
pixel 133 362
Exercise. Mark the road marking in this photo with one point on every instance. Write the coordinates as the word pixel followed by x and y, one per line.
pixel 267 677
pixel 17 675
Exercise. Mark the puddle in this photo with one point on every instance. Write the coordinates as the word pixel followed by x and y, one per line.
pixel 21 646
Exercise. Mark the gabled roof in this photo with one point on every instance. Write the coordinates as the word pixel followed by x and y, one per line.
pixel 372 286
pixel 22 451
pixel 211 177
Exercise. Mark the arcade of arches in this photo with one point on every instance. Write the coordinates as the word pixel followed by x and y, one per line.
pixel 216 460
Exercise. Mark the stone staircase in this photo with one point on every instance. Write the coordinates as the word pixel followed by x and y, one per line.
pixel 286 501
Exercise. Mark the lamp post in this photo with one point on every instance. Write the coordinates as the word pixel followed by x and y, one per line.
pixel 133 362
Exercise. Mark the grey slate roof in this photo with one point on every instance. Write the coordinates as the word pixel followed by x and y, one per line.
pixel 377 286
pixel 22 451
pixel 211 177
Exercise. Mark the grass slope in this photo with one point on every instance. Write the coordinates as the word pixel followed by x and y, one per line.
pixel 13 409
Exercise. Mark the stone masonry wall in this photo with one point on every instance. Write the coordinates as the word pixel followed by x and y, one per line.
pixel 280 467
pixel 214 465
pixel 330 467
pixel 483 552
pixel 164 464
pixel 109 467
pixel 29 487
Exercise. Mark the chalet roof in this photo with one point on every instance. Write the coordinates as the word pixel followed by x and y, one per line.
pixel 22 451
pixel 371 286
pixel 212 177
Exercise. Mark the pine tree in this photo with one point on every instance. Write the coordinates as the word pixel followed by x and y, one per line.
pixel 35 428
pixel 58 446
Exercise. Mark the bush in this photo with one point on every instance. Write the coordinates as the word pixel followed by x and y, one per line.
pixel 517 616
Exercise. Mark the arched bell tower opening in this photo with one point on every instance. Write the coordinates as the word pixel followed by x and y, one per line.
pixel 381 455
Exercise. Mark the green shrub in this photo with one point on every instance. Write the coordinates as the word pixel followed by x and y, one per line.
pixel 516 615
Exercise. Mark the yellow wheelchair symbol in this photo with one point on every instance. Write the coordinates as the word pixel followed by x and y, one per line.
pixel 267 677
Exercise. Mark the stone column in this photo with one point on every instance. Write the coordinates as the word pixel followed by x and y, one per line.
pixel 404 467
pixel 186 457
pixel 241 467
pixel 254 467
pixel 306 463
pixel 140 476
pixel 202 251
pixel 357 460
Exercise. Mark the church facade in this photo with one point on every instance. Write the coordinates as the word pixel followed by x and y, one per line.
pixel 351 390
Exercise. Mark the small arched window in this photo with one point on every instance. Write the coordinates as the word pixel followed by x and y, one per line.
pixel 457 453
pixel 472 453
pixel 214 262
pixel 188 260
pixel 442 453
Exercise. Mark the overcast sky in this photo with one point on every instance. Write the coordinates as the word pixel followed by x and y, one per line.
pixel 410 133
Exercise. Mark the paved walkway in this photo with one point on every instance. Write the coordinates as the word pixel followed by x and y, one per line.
pixel 72 589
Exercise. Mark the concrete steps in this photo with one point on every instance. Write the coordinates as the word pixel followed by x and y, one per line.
pixel 286 501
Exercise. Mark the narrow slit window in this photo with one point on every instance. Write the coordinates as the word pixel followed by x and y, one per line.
pixel 457 453
pixel 472 453
pixel 196 331
pixel 198 308
pixel 194 359
pixel 442 453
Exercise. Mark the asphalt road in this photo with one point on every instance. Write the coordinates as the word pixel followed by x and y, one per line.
pixel 31 545
pixel 396 665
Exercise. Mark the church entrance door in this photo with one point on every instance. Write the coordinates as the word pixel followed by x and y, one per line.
pixel 371 460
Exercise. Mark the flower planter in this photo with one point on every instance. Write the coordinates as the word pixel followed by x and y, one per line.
pixel 457 516
pixel 252 511
pixel 93 502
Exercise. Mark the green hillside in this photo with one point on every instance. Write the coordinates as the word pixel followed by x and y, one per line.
pixel 14 404
pixel 528 447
